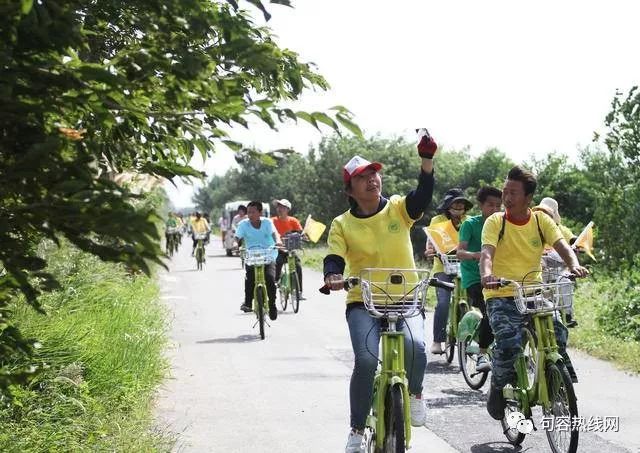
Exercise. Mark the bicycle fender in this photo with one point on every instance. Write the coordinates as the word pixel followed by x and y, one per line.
pixel 554 357
pixel 468 324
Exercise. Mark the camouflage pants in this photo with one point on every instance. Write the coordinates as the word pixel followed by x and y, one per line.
pixel 507 324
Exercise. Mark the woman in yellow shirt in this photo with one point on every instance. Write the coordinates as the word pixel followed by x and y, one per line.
pixel 453 209
pixel 375 233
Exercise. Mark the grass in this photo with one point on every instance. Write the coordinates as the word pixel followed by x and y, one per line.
pixel 102 341
pixel 588 336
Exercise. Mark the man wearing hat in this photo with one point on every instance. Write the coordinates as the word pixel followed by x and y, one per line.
pixel 452 209
pixel 285 223
pixel 553 261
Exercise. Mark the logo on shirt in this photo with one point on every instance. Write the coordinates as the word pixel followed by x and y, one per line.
pixel 536 242
pixel 394 226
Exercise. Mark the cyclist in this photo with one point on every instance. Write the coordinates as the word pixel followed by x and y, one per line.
pixel 241 214
pixel 258 232
pixel 452 209
pixel 198 225
pixel 552 260
pixel 172 222
pixel 285 223
pixel 375 233
pixel 468 252
pixel 512 246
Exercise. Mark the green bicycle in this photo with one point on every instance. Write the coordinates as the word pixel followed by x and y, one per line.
pixel 258 258
pixel 541 374
pixel 391 295
pixel 289 284
pixel 199 252
pixel 458 305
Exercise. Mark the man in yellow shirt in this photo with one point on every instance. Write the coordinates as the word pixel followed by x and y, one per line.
pixel 512 246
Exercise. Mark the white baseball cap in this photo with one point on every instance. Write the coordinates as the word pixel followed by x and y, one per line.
pixel 284 202
pixel 356 166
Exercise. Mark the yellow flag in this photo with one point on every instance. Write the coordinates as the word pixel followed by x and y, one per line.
pixel 443 235
pixel 585 240
pixel 313 229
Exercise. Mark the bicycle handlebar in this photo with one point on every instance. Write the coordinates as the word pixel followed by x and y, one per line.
pixel 350 282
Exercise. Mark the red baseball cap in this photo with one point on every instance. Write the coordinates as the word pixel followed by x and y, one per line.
pixel 356 166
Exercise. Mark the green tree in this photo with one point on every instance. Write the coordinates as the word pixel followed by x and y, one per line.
pixel 92 87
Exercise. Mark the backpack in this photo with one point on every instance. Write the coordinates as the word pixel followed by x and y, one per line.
pixel 504 223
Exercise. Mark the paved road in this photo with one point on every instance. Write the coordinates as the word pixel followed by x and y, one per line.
pixel 232 392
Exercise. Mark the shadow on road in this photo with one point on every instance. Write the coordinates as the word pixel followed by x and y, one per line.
pixel 441 367
pixel 497 447
pixel 239 339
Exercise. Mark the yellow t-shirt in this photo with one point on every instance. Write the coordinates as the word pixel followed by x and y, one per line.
pixel 381 240
pixel 200 226
pixel 437 264
pixel 519 251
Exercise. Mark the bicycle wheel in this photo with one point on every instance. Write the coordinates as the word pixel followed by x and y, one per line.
pixel 450 344
pixel 514 436
pixel 283 290
pixel 468 352
pixel 394 420
pixel 295 291
pixel 530 352
pixel 562 399
pixel 199 257
pixel 260 298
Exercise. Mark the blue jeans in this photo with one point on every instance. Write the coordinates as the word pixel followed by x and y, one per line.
pixel 441 314
pixel 365 337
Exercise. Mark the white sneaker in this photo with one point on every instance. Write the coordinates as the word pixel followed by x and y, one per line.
pixel 436 348
pixel 483 363
pixel 355 443
pixel 418 411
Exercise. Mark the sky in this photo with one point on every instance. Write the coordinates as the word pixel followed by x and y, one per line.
pixel 526 77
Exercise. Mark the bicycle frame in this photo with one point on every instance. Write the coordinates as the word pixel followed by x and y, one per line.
pixel 260 284
pixel 536 393
pixel 392 372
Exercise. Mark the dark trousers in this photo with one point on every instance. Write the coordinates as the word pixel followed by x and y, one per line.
pixel 270 278
pixel 474 292
pixel 282 258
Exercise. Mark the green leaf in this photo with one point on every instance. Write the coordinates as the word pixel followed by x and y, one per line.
pixel 235 146
pixel 26 6
pixel 308 118
pixel 325 119
pixel 350 125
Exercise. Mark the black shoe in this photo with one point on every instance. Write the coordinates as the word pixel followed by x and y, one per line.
pixel 273 312
pixel 571 322
pixel 573 375
pixel 496 403
pixel 245 308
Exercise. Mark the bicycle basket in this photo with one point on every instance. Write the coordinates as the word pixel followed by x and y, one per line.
pixel 451 264
pixel 172 230
pixel 393 292
pixel 258 257
pixel 292 241
pixel 199 236
pixel 544 297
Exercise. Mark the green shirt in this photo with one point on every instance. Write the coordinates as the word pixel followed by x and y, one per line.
pixel 471 233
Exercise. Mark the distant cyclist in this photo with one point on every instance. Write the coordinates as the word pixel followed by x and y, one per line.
pixel 468 252
pixel 257 232
pixel 199 225
pixel 286 224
